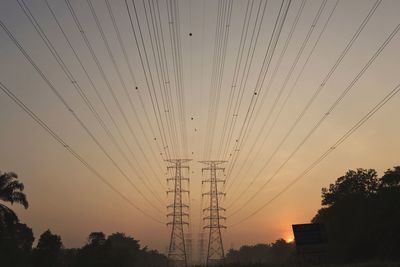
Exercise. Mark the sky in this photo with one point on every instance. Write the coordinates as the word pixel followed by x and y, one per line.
pixel 183 91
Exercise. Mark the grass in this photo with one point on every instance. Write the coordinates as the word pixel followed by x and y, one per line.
pixel 366 264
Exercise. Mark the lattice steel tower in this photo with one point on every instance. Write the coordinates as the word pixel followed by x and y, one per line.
pixel 178 210
pixel 215 250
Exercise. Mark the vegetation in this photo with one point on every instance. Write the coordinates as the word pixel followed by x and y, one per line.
pixel 360 211
pixel 10 191
pixel 16 240
pixel 279 253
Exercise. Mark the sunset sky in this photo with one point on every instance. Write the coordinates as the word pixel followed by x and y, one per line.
pixel 199 112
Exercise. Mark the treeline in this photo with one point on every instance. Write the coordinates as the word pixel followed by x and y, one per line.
pixel 16 240
pixel 115 250
pixel 361 213
pixel 279 253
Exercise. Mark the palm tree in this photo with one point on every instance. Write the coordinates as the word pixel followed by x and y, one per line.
pixel 11 191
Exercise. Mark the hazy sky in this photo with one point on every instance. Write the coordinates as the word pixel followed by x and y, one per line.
pixel 70 200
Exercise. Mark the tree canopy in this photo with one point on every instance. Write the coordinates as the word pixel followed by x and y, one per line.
pixel 11 191
pixel 361 212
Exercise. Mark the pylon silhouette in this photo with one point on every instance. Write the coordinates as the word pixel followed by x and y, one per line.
pixel 177 254
pixel 215 250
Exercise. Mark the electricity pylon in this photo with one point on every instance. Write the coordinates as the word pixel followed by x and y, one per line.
pixel 177 255
pixel 215 250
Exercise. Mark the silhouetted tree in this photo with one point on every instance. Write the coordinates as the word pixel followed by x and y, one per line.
pixel 282 252
pixel 94 253
pixel 391 178
pixel 360 183
pixel 10 191
pixel 96 239
pixel 16 241
pixel 15 238
pixel 117 250
pixel 47 250
pixel 361 213
pixel 278 253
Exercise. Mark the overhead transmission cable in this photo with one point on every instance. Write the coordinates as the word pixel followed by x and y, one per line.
pixel 174 28
pixel 315 163
pixel 245 73
pixel 105 79
pixel 75 116
pixel 92 83
pixel 315 94
pixel 242 141
pixel 247 68
pixel 158 51
pixel 56 137
pixel 238 61
pixel 287 78
pixel 126 92
pixel 77 87
pixel 275 35
pixel 220 46
pixel 130 68
pixel 329 111
pixel 144 61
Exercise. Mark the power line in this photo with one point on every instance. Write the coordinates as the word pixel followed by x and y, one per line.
pixel 329 111
pixel 342 139
pixel 56 137
pixel 125 90
pixel 76 85
pixel 148 77
pixel 286 44
pixel 125 54
pixel 262 129
pixel 159 55
pixel 315 94
pixel 93 85
pixel 69 108
pixel 263 72
pixel 220 47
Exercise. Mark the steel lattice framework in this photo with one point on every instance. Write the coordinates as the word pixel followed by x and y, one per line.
pixel 178 210
pixel 215 250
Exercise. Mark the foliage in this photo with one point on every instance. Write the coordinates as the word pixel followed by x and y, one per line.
pixel 15 238
pixel 10 191
pixel 278 253
pixel 361 214
pixel 15 244
pixel 47 250
pixel 117 250
pixel 16 241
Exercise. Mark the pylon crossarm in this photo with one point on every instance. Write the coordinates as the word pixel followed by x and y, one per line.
pixel 211 168
pixel 180 223
pixel 175 178
pixel 175 191
pixel 180 167
pixel 177 206
pixel 177 214
pixel 214 226
pixel 214 209
pixel 217 180
pixel 213 193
